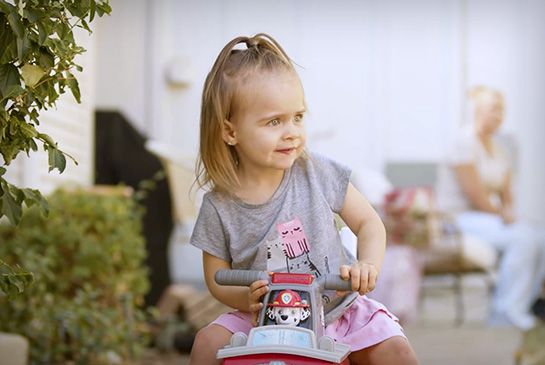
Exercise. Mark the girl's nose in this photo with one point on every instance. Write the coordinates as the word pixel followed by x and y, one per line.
pixel 292 130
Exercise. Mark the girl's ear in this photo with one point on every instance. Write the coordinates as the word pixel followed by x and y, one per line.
pixel 228 133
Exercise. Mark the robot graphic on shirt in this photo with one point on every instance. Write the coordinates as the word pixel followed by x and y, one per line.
pixel 288 309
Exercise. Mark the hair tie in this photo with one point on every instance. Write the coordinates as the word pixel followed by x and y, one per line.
pixel 251 44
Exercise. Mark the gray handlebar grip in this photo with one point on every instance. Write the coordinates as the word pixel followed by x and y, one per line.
pixel 239 277
pixel 334 282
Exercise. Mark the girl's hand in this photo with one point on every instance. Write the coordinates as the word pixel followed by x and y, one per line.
pixel 257 290
pixel 363 274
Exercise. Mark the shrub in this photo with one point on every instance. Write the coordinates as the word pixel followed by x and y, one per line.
pixel 87 258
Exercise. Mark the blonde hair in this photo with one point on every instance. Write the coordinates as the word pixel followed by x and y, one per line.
pixel 216 163
pixel 481 95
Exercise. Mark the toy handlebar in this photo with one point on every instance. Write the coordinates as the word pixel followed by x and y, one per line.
pixel 247 277
pixel 334 282
pixel 239 277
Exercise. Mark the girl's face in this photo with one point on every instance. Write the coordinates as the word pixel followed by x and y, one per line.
pixel 268 131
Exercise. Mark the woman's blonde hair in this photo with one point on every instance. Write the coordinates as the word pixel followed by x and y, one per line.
pixel 216 163
pixel 481 95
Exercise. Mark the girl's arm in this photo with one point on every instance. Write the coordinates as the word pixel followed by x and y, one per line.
pixel 238 297
pixel 473 188
pixel 366 224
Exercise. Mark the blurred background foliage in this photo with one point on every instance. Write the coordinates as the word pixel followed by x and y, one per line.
pixel 86 304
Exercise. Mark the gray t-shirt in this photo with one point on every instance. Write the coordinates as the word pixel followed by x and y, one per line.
pixel 295 231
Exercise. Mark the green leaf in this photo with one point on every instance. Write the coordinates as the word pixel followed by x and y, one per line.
pixel 85 25
pixel 74 86
pixel 75 10
pixel 3 119
pixel 12 290
pixel 26 278
pixel 92 10
pixel 8 51
pixel 46 59
pixel 30 14
pixel 4 284
pixel 32 196
pixel 5 7
pixel 56 159
pixel 11 208
pixel 23 47
pixel 17 284
pixel 33 145
pixel 31 74
pixel 9 76
pixel 8 45
pixel 47 139
pixel 28 130
pixel 16 24
pixel 13 91
pixel 34 113
pixel 29 100
pixel 13 282
pixel 42 33
pixel 64 32
pixel 104 7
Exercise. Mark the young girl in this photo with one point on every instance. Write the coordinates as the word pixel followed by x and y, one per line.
pixel 271 206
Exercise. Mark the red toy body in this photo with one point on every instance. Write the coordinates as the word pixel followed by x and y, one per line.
pixel 290 325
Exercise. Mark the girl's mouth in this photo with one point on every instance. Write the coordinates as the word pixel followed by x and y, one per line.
pixel 286 151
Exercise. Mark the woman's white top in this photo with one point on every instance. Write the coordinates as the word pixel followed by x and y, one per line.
pixel 492 167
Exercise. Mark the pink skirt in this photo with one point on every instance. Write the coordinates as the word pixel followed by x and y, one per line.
pixel 364 324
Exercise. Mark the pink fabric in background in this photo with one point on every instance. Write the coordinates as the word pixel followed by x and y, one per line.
pixel 399 283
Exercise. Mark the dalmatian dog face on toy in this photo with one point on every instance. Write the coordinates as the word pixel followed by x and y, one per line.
pixel 288 309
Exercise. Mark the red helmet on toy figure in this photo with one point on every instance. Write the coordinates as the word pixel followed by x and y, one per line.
pixel 288 298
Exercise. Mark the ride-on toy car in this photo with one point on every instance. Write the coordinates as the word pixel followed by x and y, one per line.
pixel 290 325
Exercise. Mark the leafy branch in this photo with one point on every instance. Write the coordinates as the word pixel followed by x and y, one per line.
pixel 13 282
pixel 37 52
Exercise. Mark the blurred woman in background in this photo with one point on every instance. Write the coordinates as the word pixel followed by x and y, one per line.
pixel 474 183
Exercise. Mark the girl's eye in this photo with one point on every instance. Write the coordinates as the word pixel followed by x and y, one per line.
pixel 298 118
pixel 274 122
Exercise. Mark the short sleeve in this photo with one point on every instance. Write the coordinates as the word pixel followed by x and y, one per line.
pixel 332 178
pixel 208 233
